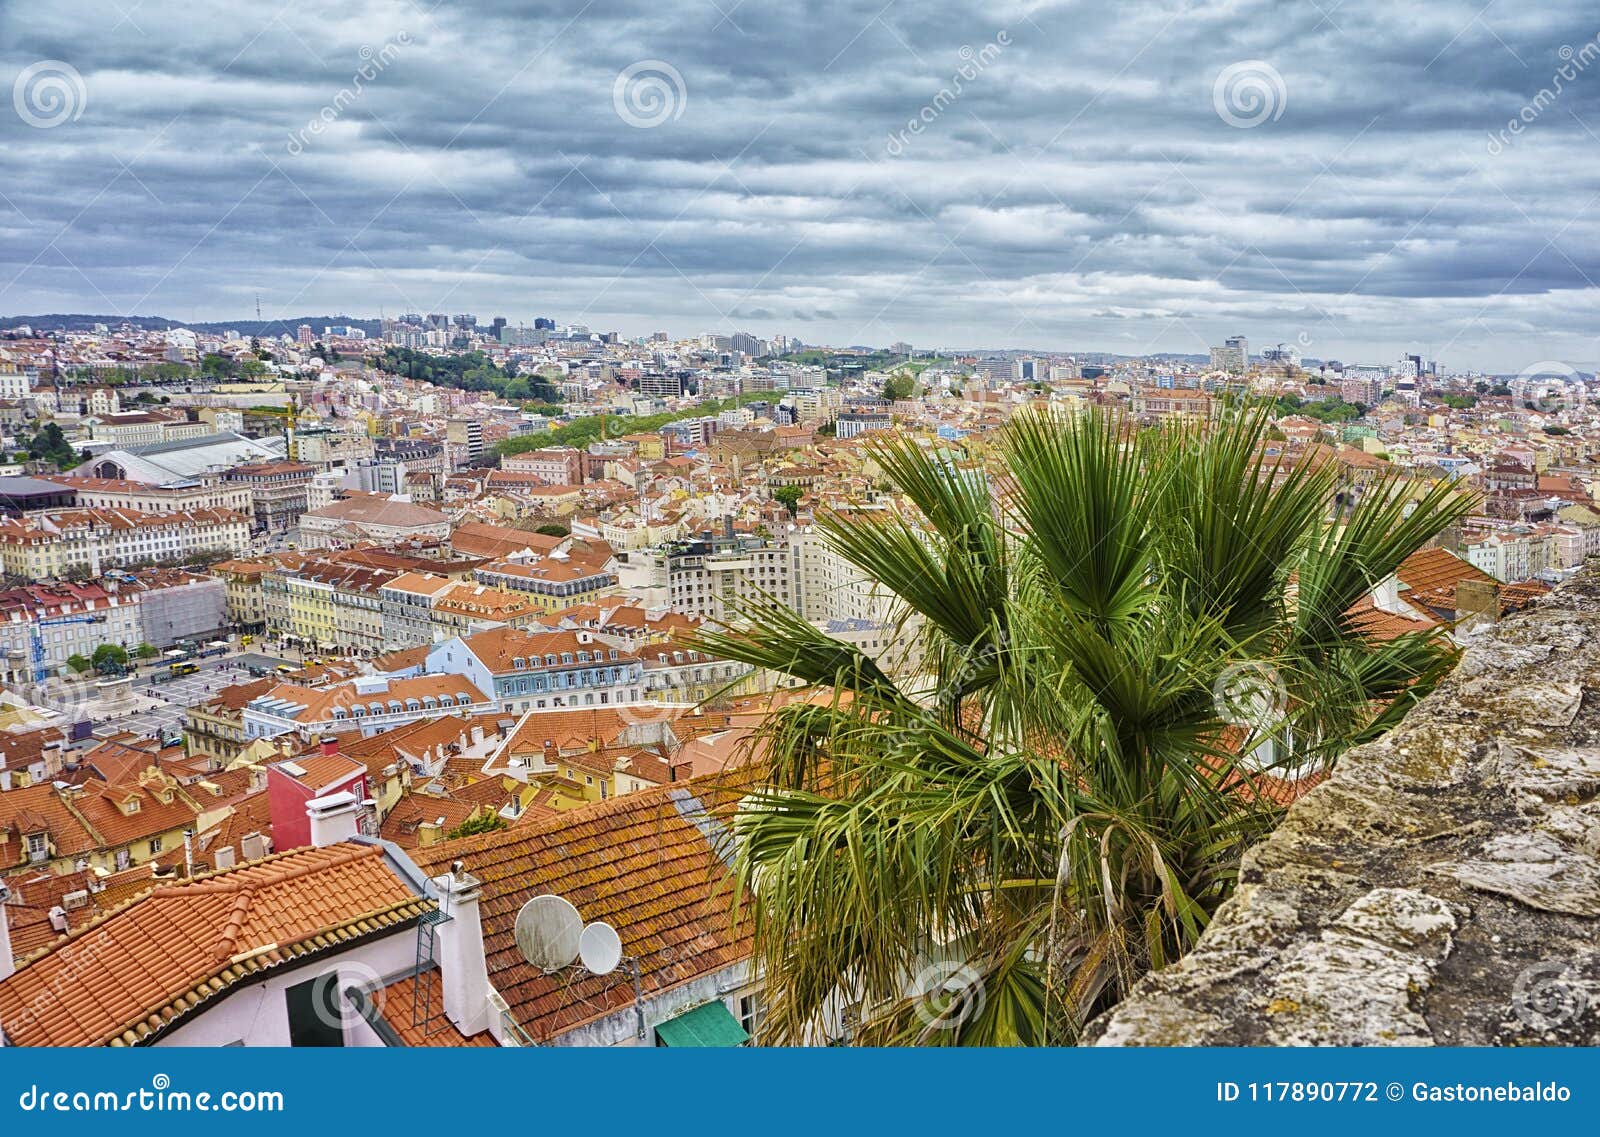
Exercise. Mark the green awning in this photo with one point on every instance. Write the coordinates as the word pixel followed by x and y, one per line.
pixel 707 1025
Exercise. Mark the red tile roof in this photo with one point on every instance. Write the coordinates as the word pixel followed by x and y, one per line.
pixel 400 1002
pixel 130 976
pixel 639 862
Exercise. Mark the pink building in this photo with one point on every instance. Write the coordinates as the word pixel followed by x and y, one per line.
pixel 294 782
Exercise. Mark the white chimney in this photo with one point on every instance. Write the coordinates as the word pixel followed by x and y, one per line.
pixel 8 962
pixel 462 970
pixel 1386 596
pixel 223 858
pixel 253 846
pixel 333 818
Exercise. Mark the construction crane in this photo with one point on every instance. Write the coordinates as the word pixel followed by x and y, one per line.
pixel 37 636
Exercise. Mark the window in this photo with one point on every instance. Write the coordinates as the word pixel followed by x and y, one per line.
pixel 155 845
pixel 38 850
pixel 314 1012
pixel 752 1012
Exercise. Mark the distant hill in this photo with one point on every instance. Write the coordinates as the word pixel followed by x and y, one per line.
pixel 77 322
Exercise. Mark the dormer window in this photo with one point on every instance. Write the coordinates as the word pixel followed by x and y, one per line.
pixel 131 806
pixel 519 663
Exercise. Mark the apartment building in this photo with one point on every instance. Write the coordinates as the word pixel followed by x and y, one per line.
pixel 382 518
pixel 277 492
pixel 205 491
pixel 533 670
pixel 69 619
pixel 46 546
pixel 710 576
pixel 406 603
pixel 368 703
pixel 553 466
pixel 552 582
pixel 326 605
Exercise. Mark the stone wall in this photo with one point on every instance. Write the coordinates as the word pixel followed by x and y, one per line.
pixel 1442 887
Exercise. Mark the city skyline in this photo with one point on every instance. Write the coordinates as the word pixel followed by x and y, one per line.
pixel 1045 175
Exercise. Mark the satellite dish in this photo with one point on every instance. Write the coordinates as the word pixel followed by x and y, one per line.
pixel 600 948
pixel 547 932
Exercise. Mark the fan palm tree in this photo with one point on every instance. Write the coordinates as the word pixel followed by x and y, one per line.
pixel 1119 636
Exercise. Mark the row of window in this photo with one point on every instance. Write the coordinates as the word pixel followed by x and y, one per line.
pixel 561 680
pixel 394 706
pixel 521 664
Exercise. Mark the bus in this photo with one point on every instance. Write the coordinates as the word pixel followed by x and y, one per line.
pixel 184 667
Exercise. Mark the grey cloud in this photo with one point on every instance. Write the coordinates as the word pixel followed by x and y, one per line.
pixel 1080 189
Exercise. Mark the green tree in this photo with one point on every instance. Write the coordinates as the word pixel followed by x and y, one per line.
pixel 553 529
pixel 110 657
pixel 901 385
pixel 78 663
pixel 1064 805
pixel 483 823
pixel 147 651
pixel 51 445
pixel 790 496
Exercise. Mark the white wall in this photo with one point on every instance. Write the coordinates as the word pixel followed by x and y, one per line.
pixel 258 1013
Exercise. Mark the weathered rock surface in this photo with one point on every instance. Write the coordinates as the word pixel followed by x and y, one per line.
pixel 1443 886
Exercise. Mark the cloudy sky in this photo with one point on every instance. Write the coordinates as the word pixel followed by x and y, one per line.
pixel 1338 175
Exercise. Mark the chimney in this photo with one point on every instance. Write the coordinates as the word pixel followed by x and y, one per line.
pixel 1477 604
pixel 223 858
pixel 477 735
pixel 333 818
pixel 462 970
pixel 330 745
pixel 8 962
pixel 58 919
pixel 430 832
pixel 253 846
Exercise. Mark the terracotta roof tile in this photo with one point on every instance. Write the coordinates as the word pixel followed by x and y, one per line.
pixel 179 945
pixel 400 1002
pixel 639 862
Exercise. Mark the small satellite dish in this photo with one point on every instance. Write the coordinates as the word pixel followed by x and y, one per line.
pixel 547 932
pixel 600 948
